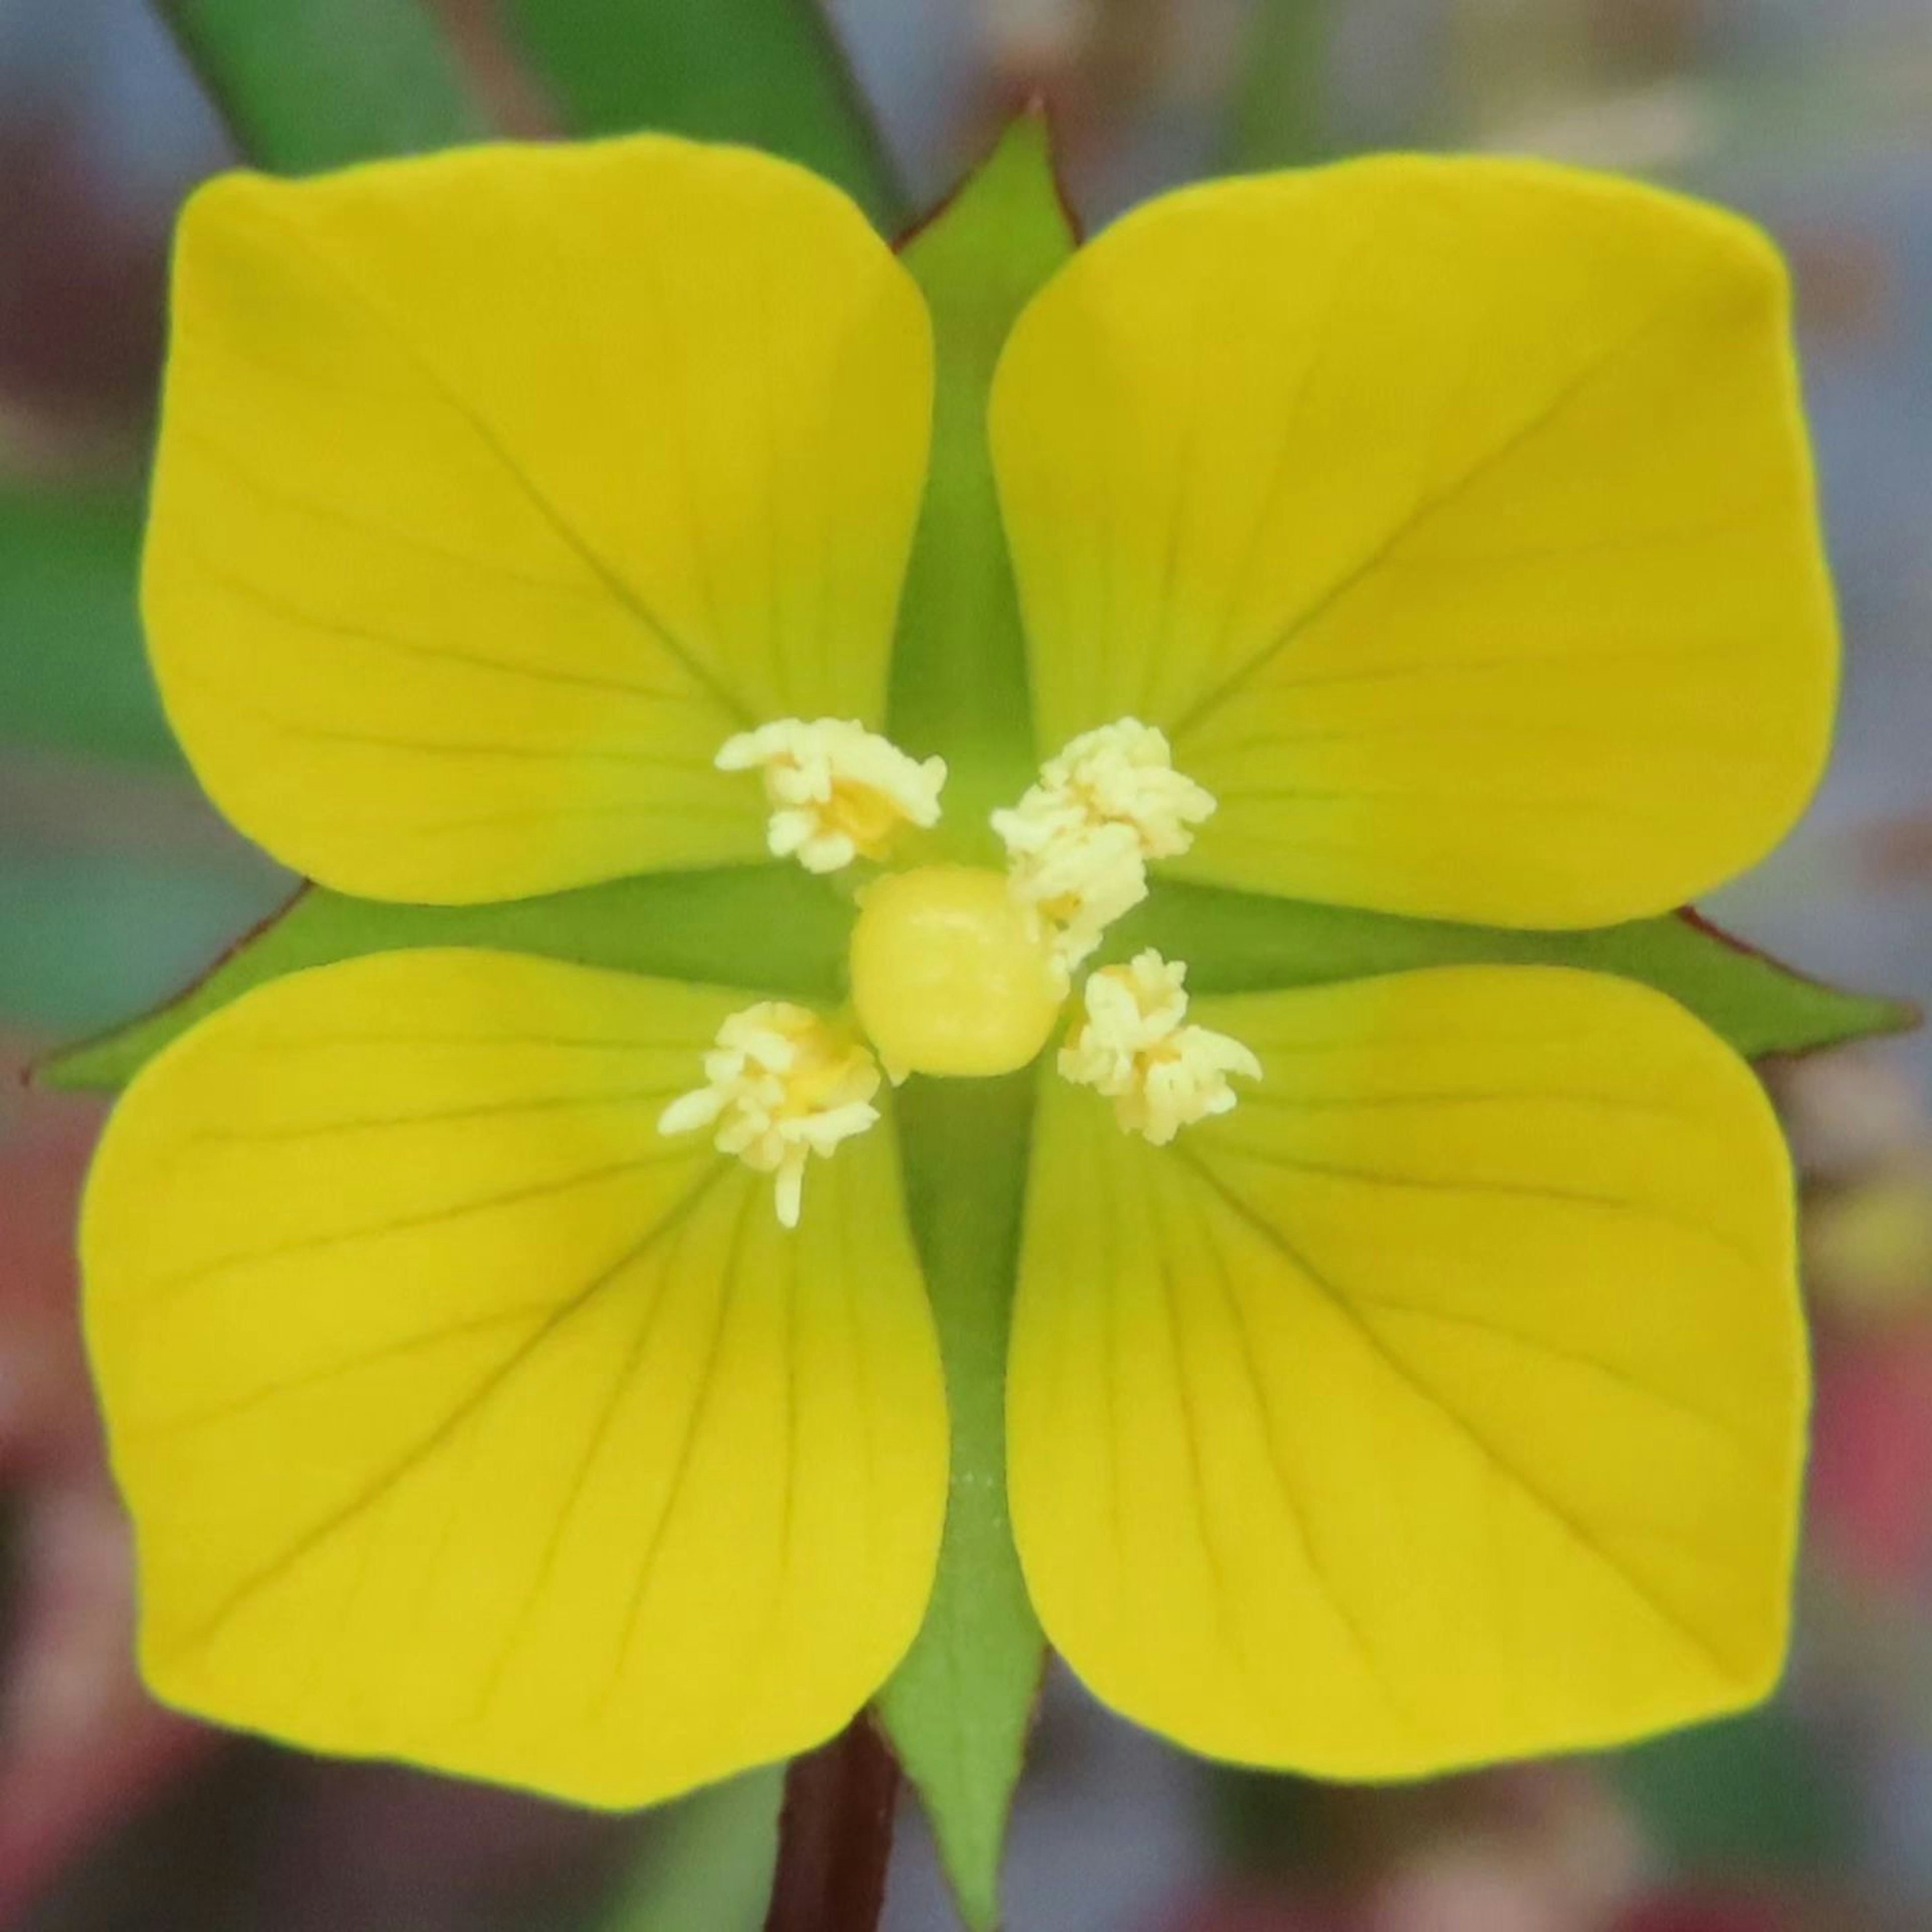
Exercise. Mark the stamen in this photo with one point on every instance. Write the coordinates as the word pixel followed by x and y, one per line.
pixel 1133 1046
pixel 782 1086
pixel 837 792
pixel 1078 843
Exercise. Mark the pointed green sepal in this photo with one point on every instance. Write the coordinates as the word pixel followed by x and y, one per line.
pixel 1247 942
pixel 960 1708
pixel 772 929
pixel 959 668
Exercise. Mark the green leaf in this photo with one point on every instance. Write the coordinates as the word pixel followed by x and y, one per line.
pixel 707 1862
pixel 72 673
pixel 772 929
pixel 1246 942
pixel 305 84
pixel 768 72
pixel 959 670
pixel 959 1709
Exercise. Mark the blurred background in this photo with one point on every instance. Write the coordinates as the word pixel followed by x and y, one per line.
pixel 117 882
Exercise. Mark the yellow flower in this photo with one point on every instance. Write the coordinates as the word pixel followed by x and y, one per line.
pixel 1403 1373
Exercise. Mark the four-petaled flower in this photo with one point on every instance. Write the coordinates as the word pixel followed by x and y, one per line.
pixel 1403 1373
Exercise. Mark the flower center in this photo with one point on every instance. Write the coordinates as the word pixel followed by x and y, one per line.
pixel 950 975
pixel 959 971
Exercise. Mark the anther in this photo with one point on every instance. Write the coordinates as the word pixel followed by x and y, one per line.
pixel 1078 843
pixel 1135 1047
pixel 781 1086
pixel 837 792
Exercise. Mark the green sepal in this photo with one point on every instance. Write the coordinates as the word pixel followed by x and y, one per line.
pixel 959 665
pixel 772 930
pixel 768 72
pixel 958 1710
pixel 306 85
pixel 1237 942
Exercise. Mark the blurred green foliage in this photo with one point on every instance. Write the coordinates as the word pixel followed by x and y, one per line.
pixel 1753 1793
pixel 310 84
pixel 707 1866
pixel 67 916
pixel 768 73
pixel 73 676
pixel 1278 115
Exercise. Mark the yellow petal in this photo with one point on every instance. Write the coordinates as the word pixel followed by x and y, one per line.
pixel 1454 518
pixel 495 490
pixel 1444 1402
pixel 465 1419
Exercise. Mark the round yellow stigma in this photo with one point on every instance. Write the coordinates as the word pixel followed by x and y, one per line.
pixel 950 976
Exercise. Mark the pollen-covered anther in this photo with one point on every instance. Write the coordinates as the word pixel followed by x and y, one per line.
pixel 837 792
pixel 781 1086
pixel 1078 843
pixel 1135 1046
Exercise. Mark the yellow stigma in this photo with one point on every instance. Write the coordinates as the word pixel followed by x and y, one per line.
pixel 950 976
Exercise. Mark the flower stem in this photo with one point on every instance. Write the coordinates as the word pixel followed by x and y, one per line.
pixel 834 1835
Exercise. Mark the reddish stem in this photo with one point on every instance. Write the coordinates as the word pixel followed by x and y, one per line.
pixel 834 1836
